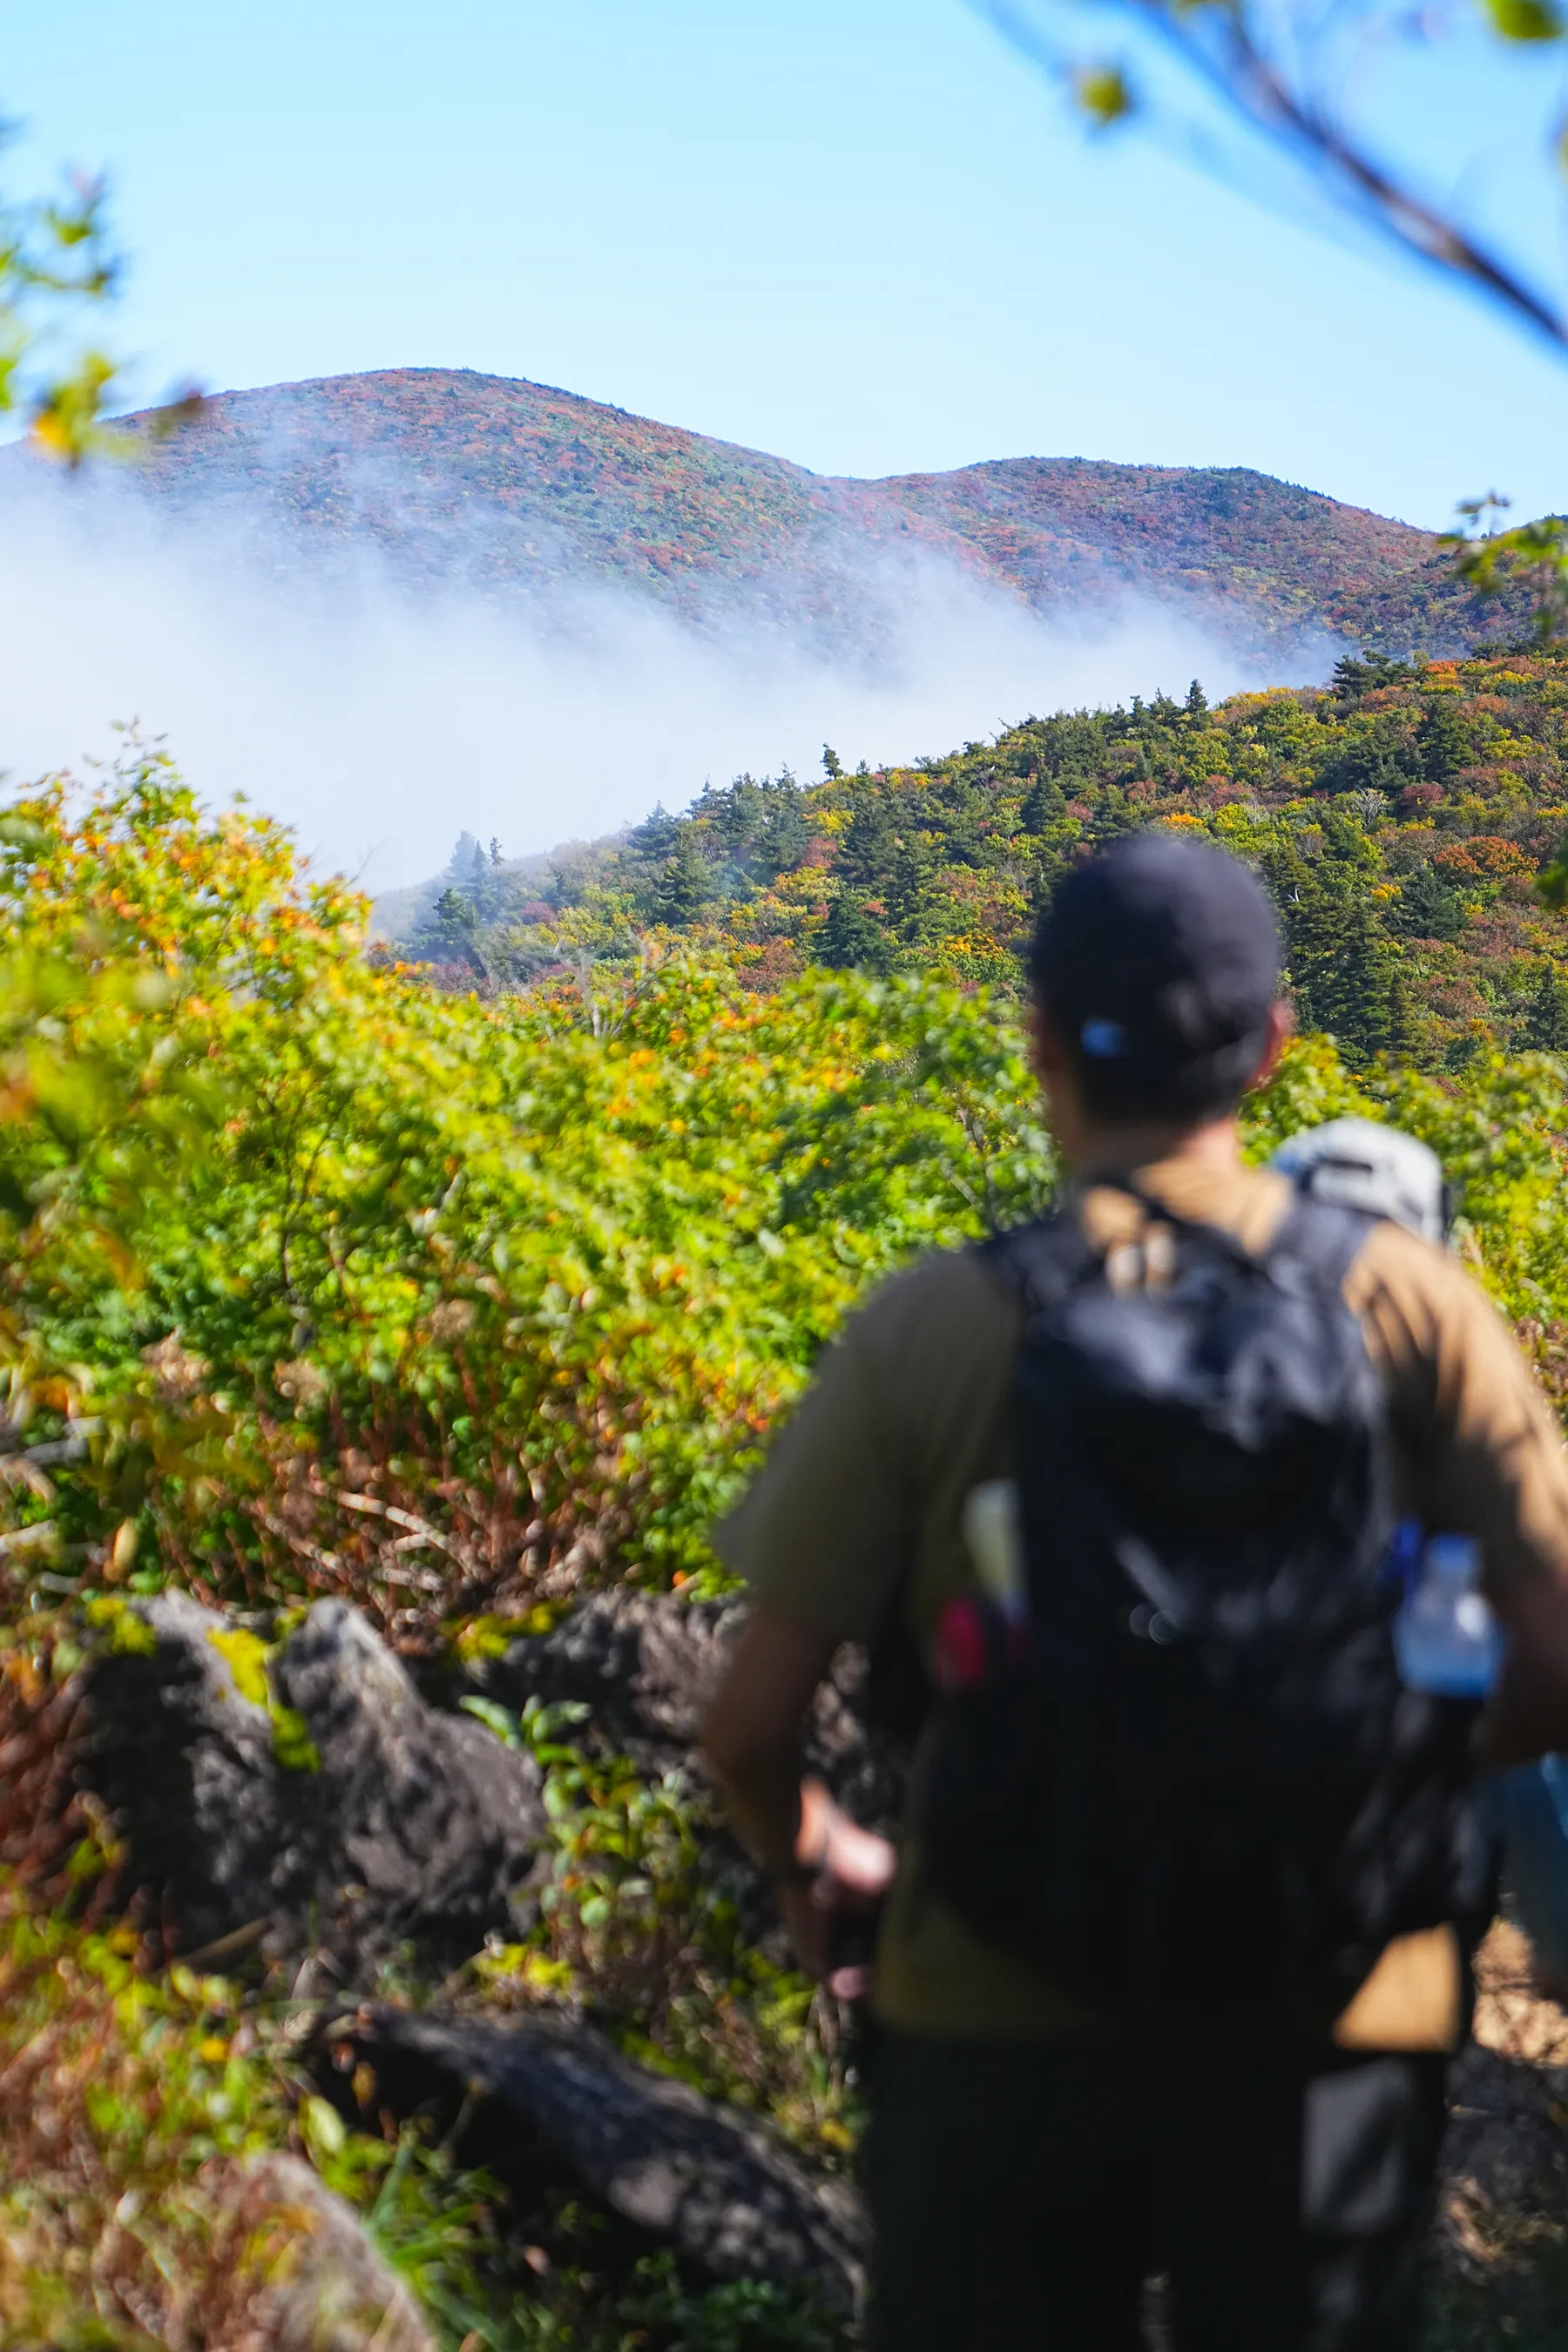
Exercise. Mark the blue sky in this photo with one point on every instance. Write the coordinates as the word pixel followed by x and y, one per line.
pixel 863 233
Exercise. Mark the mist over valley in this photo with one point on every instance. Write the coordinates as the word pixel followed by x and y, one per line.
pixel 387 605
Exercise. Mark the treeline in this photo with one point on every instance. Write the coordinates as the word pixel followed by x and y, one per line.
pixel 1407 817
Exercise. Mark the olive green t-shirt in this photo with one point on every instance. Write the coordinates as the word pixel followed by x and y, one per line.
pixel 860 1505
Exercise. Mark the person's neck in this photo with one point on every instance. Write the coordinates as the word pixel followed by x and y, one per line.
pixel 1106 1151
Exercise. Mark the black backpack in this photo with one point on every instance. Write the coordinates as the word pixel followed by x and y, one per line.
pixel 1189 1783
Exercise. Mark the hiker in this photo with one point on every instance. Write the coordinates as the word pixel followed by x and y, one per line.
pixel 1173 1955
pixel 1367 1165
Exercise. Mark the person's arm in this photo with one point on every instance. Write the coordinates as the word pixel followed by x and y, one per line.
pixel 1527 1716
pixel 752 1735
pixel 824 1539
pixel 821 1862
pixel 1492 1464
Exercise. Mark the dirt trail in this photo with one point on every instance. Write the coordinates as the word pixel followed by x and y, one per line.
pixel 1502 2231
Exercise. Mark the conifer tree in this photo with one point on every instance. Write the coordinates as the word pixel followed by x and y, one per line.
pixel 1044 803
pixel 1406 1043
pixel 869 843
pixel 1546 1024
pixel 685 884
pixel 1443 740
pixel 657 835
pixel 850 940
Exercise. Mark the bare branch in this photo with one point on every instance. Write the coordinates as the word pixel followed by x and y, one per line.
pixel 1216 40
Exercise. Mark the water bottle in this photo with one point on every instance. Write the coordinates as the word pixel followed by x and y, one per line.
pixel 981 1635
pixel 1446 1639
pixel 994 1531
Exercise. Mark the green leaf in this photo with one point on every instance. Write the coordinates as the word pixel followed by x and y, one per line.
pixel 322 2129
pixel 1526 20
pixel 495 1718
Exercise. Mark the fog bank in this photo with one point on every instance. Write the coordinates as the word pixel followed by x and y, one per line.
pixel 378 721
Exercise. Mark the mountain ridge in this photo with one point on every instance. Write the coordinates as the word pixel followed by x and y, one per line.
pixel 458 479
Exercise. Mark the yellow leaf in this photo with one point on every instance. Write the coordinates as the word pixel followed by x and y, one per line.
pixel 1103 94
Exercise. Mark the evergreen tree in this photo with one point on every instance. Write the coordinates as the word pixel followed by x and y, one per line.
pixel 1406 1043
pixel 1349 971
pixel 739 815
pixel 850 940
pixel 1444 741
pixel 1371 761
pixel 1341 964
pixel 785 836
pixel 448 933
pixel 867 857
pixel 685 886
pixel 1044 804
pixel 1546 1024
pixel 454 916
pixel 657 835
pixel 1351 679
pixel 1197 703
pixel 832 767
pixel 1427 909
pixel 909 881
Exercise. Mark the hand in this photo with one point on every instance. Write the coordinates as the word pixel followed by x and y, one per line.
pixel 853 1869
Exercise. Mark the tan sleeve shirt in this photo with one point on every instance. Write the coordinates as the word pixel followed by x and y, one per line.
pixel 861 1497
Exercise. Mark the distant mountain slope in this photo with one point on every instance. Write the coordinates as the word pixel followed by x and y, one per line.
pixel 459 478
pixel 1409 819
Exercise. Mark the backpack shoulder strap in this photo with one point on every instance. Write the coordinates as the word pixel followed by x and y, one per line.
pixel 1323 1239
pixel 1037 1262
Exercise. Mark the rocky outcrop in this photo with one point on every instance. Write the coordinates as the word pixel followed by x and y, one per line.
pixel 549 2100
pixel 309 1801
pixel 644 1665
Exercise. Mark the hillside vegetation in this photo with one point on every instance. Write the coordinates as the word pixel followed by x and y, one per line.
pixel 317 1280
pixel 1408 819
pixel 455 477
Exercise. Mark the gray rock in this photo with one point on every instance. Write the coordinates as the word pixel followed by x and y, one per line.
pixel 306 2278
pixel 428 1812
pixel 404 1825
pixel 551 2100
pixel 645 1665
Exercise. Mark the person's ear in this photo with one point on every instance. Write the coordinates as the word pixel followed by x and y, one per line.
pixel 1053 1066
pixel 1277 1036
pixel 1048 1054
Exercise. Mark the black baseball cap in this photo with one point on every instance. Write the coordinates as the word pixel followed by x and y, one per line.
pixel 1157 963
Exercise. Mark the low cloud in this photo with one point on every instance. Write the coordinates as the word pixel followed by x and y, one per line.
pixel 378 720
